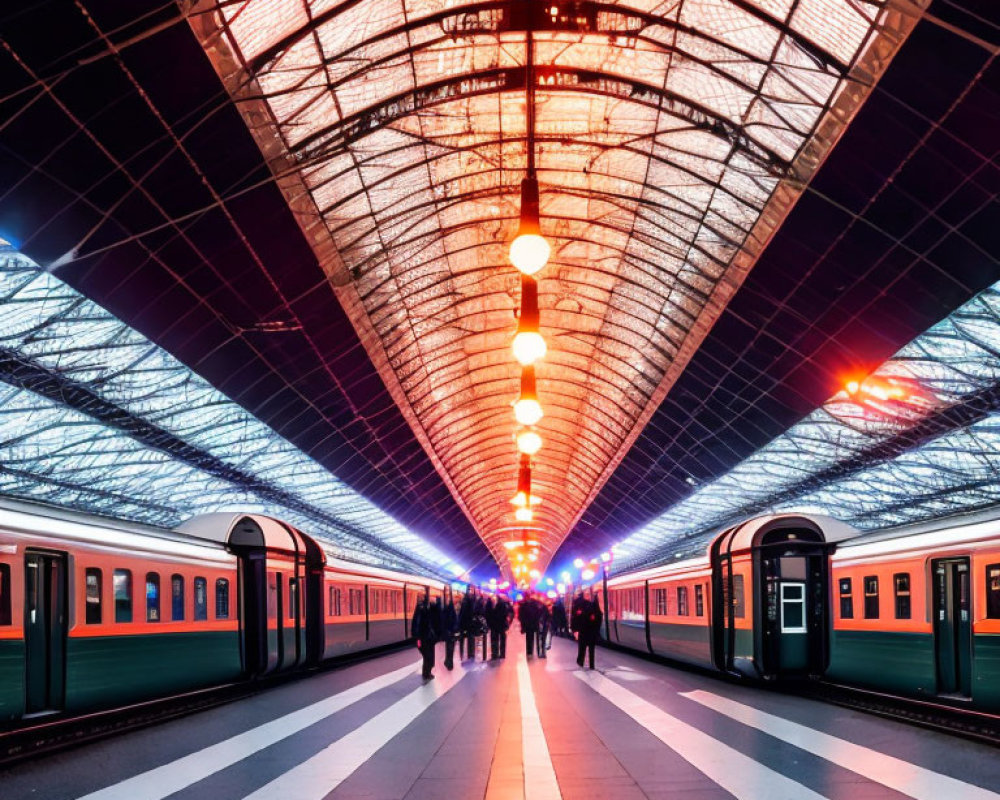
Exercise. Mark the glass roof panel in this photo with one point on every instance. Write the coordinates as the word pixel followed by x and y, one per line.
pixel 663 136
pixel 917 439
pixel 147 439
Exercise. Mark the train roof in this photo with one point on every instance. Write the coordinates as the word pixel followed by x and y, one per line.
pixel 954 530
pixel 355 568
pixel 38 519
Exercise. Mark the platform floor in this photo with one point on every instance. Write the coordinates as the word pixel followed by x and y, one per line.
pixel 518 729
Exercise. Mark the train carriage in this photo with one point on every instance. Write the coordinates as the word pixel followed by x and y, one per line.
pixel 96 614
pixel 917 611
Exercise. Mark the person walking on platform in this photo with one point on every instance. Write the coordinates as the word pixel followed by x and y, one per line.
pixel 528 615
pixel 544 622
pixel 497 620
pixel 505 620
pixel 466 615
pixel 589 627
pixel 484 610
pixel 425 625
pixel 559 626
pixel 449 630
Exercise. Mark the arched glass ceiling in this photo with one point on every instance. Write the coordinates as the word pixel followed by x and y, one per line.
pixel 871 459
pixel 95 417
pixel 672 140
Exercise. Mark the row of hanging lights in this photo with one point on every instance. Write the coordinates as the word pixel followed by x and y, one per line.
pixel 529 253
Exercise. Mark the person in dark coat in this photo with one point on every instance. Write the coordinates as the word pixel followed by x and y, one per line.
pixel 426 626
pixel 505 618
pixel 497 620
pixel 591 618
pixel 559 626
pixel 528 615
pixel 466 617
pixel 544 621
pixel 449 629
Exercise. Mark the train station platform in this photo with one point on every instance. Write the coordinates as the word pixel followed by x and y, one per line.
pixel 513 729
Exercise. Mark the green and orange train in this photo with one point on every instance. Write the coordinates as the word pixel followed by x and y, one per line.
pixel 97 614
pixel 913 612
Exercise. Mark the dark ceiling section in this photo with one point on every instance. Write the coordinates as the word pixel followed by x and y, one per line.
pixel 113 167
pixel 901 225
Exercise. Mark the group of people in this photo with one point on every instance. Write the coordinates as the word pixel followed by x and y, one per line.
pixel 480 616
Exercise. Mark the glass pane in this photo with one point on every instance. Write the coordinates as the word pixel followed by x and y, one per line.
pixel 123 595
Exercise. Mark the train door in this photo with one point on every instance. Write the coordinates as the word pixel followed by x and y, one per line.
pixel 953 626
pixel 45 625
pixel 253 618
pixel 793 624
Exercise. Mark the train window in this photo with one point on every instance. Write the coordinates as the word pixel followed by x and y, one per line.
pixel 123 595
pixel 152 597
pixel 993 591
pixel 222 598
pixel 177 598
pixel 682 601
pixel 355 601
pixel 739 600
pixel 871 597
pixel 901 582
pixel 200 599
pixel 375 595
pixel 334 599
pixel 793 608
pixel 660 601
pixel 846 599
pixel 293 597
pixel 699 600
pixel 272 595
pixel 5 616
pixel 93 579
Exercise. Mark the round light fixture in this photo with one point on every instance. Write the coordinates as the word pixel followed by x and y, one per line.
pixel 528 347
pixel 529 252
pixel 528 441
pixel 523 514
pixel 527 411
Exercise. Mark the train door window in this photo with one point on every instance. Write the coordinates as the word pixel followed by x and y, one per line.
pixel 846 599
pixel 93 580
pixel 177 598
pixel 200 599
pixel 993 591
pixel 901 583
pixel 793 608
pixel 699 600
pixel 682 601
pixel 871 597
pixel 739 598
pixel 293 597
pixel 272 595
pixel 123 595
pixel 5 617
pixel 222 598
pixel 152 597
pixel 660 601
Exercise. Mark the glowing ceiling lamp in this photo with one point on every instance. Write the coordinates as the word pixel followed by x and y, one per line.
pixel 578 562
pixel 527 409
pixel 528 344
pixel 529 442
pixel 587 574
pixel 523 514
pixel 529 251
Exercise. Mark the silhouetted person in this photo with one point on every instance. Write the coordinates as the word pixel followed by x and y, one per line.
pixel 590 616
pixel 559 626
pixel 426 626
pixel 449 629
pixel 544 621
pixel 528 615
pixel 466 617
pixel 497 620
